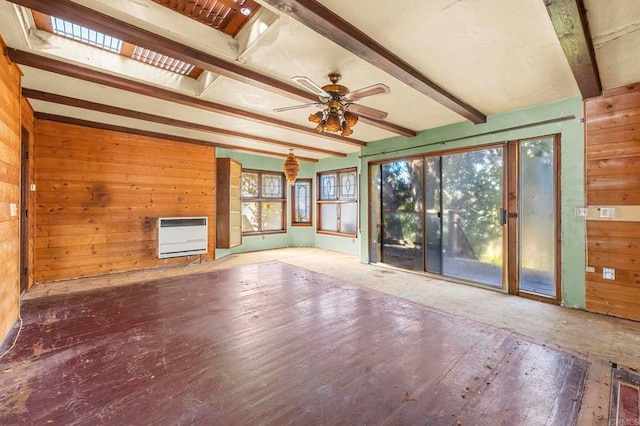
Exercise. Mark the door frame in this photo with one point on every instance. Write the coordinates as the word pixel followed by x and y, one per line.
pixel 24 209
pixel 513 231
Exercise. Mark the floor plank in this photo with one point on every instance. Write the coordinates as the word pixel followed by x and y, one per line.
pixel 272 343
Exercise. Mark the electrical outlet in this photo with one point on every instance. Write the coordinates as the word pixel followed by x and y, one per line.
pixel 608 273
pixel 607 212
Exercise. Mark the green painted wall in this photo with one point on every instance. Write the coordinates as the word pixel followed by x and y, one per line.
pixel 526 123
pixel 295 236
pixel 521 124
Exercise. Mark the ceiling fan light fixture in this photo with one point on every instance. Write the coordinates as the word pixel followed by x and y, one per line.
pixel 350 118
pixel 316 118
pixel 333 122
pixel 346 130
pixel 321 126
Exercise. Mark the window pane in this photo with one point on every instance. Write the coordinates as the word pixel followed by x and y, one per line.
pixel 348 186
pixel 249 184
pixel 329 217
pixel 348 218
pixel 302 202
pixel 250 217
pixel 328 186
pixel 271 216
pixel 272 186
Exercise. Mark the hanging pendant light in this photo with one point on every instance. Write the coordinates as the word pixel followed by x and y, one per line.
pixel 291 168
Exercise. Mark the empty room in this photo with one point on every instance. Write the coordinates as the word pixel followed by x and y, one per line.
pixel 285 212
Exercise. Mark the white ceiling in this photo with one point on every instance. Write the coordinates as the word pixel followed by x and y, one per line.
pixel 495 55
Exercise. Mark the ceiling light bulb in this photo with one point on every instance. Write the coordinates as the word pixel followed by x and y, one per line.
pixel 350 118
pixel 245 11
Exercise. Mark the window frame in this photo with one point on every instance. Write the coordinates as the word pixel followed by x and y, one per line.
pixel 294 202
pixel 260 199
pixel 338 201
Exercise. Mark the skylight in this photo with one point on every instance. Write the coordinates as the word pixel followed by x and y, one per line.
pixel 161 61
pixel 85 35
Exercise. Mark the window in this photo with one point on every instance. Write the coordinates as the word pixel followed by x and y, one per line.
pixel 301 203
pixel 263 202
pixel 338 202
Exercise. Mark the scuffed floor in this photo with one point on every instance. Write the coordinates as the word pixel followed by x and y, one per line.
pixel 272 343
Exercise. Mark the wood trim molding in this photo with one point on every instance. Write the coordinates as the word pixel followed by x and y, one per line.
pixel 106 24
pixel 108 109
pixel 329 25
pixel 157 135
pixel 569 18
pixel 75 71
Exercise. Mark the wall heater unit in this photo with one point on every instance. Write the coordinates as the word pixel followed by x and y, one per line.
pixel 182 236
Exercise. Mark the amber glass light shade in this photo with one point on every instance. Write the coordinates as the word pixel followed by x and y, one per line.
pixel 316 118
pixel 333 123
pixel 291 168
pixel 320 127
pixel 350 118
pixel 346 130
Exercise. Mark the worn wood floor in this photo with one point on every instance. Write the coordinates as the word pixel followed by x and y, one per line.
pixel 601 339
pixel 272 343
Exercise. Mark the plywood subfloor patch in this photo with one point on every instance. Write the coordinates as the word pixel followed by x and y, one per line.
pixel 272 343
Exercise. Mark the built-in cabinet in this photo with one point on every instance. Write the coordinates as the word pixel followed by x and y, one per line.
pixel 229 203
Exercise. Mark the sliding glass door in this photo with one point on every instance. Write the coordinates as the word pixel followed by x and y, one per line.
pixel 472 215
pixel 472 199
pixel 536 188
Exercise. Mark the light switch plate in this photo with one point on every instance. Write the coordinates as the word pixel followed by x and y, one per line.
pixel 13 210
pixel 608 273
pixel 581 212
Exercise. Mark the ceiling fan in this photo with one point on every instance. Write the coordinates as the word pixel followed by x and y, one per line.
pixel 339 112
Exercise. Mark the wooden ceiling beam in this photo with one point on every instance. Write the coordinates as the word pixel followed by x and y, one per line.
pixel 157 135
pixel 108 109
pixel 81 15
pixel 75 71
pixel 326 23
pixel 569 18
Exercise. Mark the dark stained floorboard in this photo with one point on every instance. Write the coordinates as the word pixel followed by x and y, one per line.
pixel 274 344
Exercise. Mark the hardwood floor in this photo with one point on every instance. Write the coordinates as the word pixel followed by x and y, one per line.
pixel 272 343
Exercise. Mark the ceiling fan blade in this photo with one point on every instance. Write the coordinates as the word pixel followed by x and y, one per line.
pixel 308 84
pixel 367 111
pixel 315 104
pixel 376 89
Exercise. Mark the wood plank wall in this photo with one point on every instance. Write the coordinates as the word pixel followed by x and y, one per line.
pixel 613 178
pixel 99 194
pixel 28 123
pixel 9 192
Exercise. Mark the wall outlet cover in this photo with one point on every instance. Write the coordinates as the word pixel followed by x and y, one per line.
pixel 608 273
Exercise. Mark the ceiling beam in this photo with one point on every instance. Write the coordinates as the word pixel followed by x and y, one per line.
pixel 108 109
pixel 329 25
pixel 75 71
pixel 81 15
pixel 569 18
pixel 157 135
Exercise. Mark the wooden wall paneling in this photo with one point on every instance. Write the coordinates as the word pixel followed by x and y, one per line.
pixel 613 178
pixel 100 193
pixel 9 192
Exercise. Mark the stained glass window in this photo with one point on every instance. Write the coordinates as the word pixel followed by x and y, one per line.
pixel 338 202
pixel 263 202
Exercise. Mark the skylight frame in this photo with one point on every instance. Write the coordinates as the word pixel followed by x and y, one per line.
pixel 85 35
